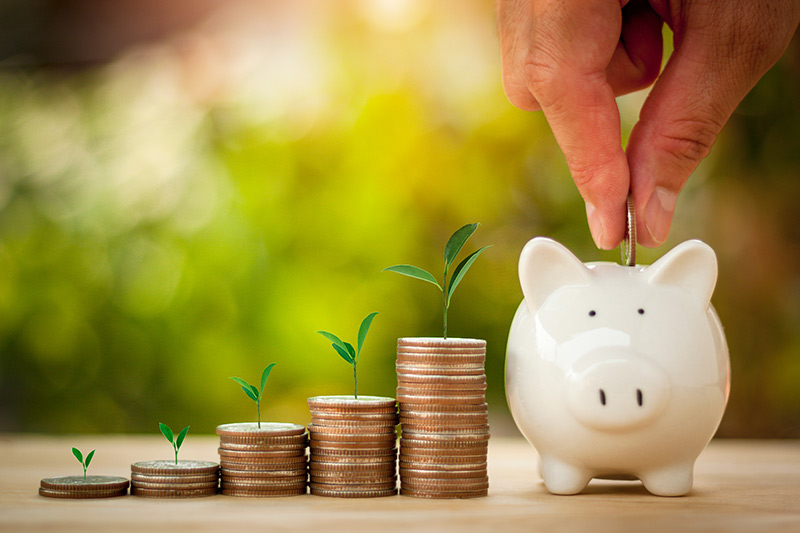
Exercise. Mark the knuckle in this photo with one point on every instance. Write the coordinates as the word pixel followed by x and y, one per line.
pixel 688 140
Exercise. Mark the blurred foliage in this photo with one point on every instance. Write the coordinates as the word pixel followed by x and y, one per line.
pixel 200 206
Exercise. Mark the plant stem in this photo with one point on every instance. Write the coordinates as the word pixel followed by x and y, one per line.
pixel 258 406
pixel 355 380
pixel 84 473
pixel 176 452
pixel 444 301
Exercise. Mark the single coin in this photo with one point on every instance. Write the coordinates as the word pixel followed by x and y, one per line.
pixel 348 493
pixel 253 484
pixel 466 446
pixel 451 360
pixel 410 430
pixel 349 430
pixel 267 429
pixel 247 493
pixel 259 456
pixel 446 439
pixel 269 450
pixel 628 247
pixel 442 379
pixel 454 399
pixel 351 487
pixel 432 408
pixel 259 467
pixel 444 495
pixel 469 475
pixel 439 391
pixel 173 493
pixel 326 445
pixel 81 494
pixel 179 486
pixel 385 481
pixel 262 474
pixel 354 466
pixel 443 423
pixel 444 485
pixel 354 438
pixel 362 403
pixel 275 443
pixel 384 473
pixel 420 369
pixel 151 478
pixel 90 483
pixel 171 468
pixel 450 342
pixel 467 461
pixel 382 419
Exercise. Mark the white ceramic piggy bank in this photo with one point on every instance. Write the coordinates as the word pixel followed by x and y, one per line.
pixel 614 371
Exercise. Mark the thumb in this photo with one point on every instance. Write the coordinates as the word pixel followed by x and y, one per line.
pixel 712 69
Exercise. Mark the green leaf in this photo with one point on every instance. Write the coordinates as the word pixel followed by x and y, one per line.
pixel 344 353
pixel 89 458
pixel 248 389
pixel 167 432
pixel 181 436
pixel 460 270
pixel 456 242
pixel 350 350
pixel 413 272
pixel 364 329
pixel 333 338
pixel 240 381
pixel 78 455
pixel 265 376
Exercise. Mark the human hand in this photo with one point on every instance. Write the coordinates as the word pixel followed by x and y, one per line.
pixel 571 58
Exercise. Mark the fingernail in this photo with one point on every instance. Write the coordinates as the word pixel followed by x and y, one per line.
pixel 658 213
pixel 595 226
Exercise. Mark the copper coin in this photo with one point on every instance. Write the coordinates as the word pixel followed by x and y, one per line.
pixel 351 430
pixel 173 493
pixel 362 403
pixel 444 495
pixel 259 454
pixel 90 483
pixel 263 474
pixel 442 379
pixel 411 430
pixel 448 399
pixel 327 451
pixel 268 450
pixel 361 479
pixel 469 475
pixel 260 493
pixel 479 464
pixel 167 467
pixel 352 466
pixel 474 446
pixel 152 478
pixel 325 445
pixel 410 407
pixel 352 487
pixel 446 361
pixel 267 430
pixel 82 494
pixel 258 484
pixel 432 369
pixel 356 438
pixel 347 493
pixel 179 486
pixel 265 464
pixel 445 485
pixel 441 437
pixel 259 467
pixel 277 443
pixel 390 420
pixel 439 459
pixel 443 416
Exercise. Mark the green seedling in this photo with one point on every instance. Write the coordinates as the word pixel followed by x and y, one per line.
pixel 84 463
pixel 451 249
pixel 346 350
pixel 252 392
pixel 176 443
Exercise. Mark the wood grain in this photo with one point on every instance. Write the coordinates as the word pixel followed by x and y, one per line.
pixel 739 486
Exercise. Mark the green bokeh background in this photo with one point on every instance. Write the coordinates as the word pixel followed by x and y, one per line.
pixel 198 205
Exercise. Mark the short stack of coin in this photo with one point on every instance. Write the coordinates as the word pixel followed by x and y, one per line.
pixel 168 479
pixel 353 446
pixel 80 487
pixel 441 390
pixel 265 461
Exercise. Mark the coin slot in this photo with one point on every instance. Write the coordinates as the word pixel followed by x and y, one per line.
pixel 602 396
pixel 639 397
pixel 592 312
pixel 641 311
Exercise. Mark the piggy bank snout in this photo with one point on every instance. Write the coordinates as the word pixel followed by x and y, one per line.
pixel 617 394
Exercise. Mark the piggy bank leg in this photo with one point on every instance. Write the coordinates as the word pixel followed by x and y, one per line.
pixel 672 480
pixel 563 478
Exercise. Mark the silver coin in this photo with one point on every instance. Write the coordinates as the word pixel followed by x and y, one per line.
pixel 628 248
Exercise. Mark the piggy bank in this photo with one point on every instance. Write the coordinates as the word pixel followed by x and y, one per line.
pixel 617 372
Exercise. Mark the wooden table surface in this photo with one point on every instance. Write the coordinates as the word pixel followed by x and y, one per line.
pixel 739 486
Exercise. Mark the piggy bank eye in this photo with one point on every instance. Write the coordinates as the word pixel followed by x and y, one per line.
pixel 592 312
pixel 641 311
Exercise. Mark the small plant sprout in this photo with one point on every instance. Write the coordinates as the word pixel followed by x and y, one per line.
pixel 451 249
pixel 252 392
pixel 84 463
pixel 346 350
pixel 176 443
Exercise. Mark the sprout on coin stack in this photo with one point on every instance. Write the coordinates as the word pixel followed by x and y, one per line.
pixel 83 487
pixel 174 479
pixel 262 459
pixel 441 392
pixel 353 438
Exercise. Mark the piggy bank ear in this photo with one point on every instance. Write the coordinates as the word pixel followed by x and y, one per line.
pixel 692 265
pixel 545 266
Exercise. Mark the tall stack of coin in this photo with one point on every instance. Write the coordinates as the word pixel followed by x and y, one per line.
pixel 441 390
pixel 80 487
pixel 168 479
pixel 266 461
pixel 353 446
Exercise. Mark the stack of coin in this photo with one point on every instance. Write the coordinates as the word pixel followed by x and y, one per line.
pixel 168 479
pixel 441 390
pixel 353 446
pixel 266 461
pixel 78 487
